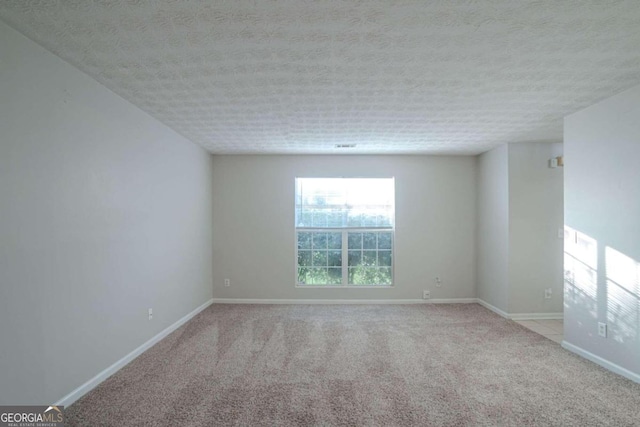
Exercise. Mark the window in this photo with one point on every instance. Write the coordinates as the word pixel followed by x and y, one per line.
pixel 344 231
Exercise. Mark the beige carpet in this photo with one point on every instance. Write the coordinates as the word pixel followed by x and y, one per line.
pixel 383 365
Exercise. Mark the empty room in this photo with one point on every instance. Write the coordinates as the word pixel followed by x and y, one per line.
pixel 319 213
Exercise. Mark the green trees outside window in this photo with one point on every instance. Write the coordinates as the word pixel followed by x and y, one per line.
pixel 344 231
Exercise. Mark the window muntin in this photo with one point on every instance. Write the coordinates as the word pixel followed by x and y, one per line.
pixel 370 258
pixel 319 258
pixel 344 231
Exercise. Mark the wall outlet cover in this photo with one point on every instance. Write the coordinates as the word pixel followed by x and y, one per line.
pixel 602 329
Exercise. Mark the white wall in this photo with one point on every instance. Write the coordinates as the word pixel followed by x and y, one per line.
pixel 520 210
pixel 536 211
pixel 254 234
pixel 602 200
pixel 104 213
pixel 493 227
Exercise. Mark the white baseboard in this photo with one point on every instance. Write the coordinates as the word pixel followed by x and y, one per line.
pixel 100 377
pixel 342 301
pixel 520 316
pixel 536 316
pixel 93 382
pixel 493 308
pixel 453 301
pixel 602 362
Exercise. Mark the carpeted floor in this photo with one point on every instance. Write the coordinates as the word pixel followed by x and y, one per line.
pixel 348 365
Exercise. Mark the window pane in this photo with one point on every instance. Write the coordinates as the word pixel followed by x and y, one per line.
pixel 355 258
pixel 355 220
pixel 369 220
pixel 355 240
pixel 384 258
pixel 369 241
pixel 335 259
pixel 304 258
pixel 384 240
pixel 304 240
pixel 305 219
pixel 320 218
pixel 319 240
pixel 318 276
pixel 369 258
pixel 383 220
pixel 385 276
pixel 356 275
pixel 319 258
pixel 302 275
pixel 335 276
pixel 371 276
pixel 335 219
pixel 335 240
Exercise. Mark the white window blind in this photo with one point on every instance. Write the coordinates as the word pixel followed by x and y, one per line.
pixel 344 202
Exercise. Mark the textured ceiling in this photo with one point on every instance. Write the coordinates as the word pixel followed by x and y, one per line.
pixel 294 76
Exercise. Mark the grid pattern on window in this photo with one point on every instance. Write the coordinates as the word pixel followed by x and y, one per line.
pixel 370 258
pixel 344 231
pixel 319 258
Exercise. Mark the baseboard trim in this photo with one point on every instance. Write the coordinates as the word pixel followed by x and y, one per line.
pixel 492 308
pixel 617 369
pixel 95 381
pixel 520 316
pixel 536 316
pixel 342 301
pixel 454 301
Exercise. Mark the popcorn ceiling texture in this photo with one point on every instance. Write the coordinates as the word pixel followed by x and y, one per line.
pixel 345 365
pixel 292 76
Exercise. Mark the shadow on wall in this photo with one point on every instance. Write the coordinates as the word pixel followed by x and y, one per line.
pixel 620 290
pixel 623 295
pixel 580 273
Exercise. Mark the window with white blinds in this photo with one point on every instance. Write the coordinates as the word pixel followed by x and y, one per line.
pixel 344 202
pixel 344 231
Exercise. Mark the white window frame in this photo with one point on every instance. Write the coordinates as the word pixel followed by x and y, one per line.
pixel 345 250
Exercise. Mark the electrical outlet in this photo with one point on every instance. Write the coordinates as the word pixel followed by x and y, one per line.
pixel 227 282
pixel 602 329
pixel 547 293
pixel 426 294
pixel 438 282
pixel 150 313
